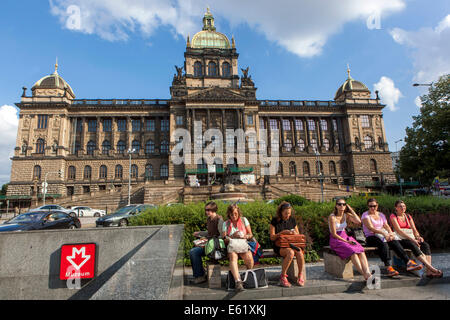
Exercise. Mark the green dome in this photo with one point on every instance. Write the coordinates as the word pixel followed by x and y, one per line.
pixel 209 37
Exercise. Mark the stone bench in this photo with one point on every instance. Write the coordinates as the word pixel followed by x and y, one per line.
pixel 340 268
pixel 292 271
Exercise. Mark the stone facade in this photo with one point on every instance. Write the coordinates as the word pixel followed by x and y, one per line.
pixel 58 133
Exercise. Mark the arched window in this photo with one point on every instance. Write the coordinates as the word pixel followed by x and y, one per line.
pixel 71 174
pixel 368 142
pixel 344 167
pixel 106 146
pixel 218 163
pixel 37 173
pixel 332 168
pixel 226 70
pixel 212 69
pixel 164 171
pixel 292 169
pixel 103 173
pixel 87 172
pixel 319 167
pixel 121 146
pixel 118 174
pixel 164 147
pixel 306 168
pixel 326 144
pixel 232 163
pixel 136 145
pixel 198 69
pixel 90 147
pixel 380 142
pixel 280 169
pixel 40 145
pixel 373 166
pixel 134 171
pixel 202 165
pixel 148 172
pixel 301 144
pixel 149 147
pixel 357 142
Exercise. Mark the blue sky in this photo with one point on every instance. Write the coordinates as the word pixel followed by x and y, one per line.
pixel 295 49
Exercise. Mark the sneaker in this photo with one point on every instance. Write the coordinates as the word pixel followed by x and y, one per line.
pixel 239 286
pixel 413 266
pixel 392 272
pixel 284 281
pixel 200 279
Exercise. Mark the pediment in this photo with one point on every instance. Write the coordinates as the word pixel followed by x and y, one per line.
pixel 216 94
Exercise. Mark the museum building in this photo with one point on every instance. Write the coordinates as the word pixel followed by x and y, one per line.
pixel 83 145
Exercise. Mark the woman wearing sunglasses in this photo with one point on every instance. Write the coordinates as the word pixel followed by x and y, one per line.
pixel 284 223
pixel 379 234
pixel 404 227
pixel 345 246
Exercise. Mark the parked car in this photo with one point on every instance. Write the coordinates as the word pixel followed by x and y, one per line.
pixel 81 211
pixel 41 220
pixel 121 217
pixel 53 207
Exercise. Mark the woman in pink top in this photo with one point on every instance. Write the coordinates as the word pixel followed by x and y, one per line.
pixel 379 234
pixel 404 227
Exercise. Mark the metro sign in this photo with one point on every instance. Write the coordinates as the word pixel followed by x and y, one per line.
pixel 77 261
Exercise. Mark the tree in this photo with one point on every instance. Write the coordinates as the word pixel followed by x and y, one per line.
pixel 4 189
pixel 426 153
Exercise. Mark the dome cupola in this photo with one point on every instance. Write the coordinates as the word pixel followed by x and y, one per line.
pixel 352 88
pixel 209 37
pixel 53 85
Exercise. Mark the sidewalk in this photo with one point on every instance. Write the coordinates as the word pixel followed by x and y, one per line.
pixel 318 283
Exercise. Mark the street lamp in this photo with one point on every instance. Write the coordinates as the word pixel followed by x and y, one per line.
pixel 422 84
pixel 396 164
pixel 320 172
pixel 130 151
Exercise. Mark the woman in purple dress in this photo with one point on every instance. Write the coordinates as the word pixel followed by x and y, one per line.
pixel 345 246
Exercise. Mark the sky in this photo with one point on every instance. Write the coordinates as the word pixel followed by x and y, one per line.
pixel 295 50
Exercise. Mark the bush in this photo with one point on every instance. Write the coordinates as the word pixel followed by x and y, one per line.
pixel 293 199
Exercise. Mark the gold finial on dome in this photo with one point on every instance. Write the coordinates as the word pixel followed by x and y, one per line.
pixel 56 66
pixel 348 71
pixel 233 43
pixel 188 42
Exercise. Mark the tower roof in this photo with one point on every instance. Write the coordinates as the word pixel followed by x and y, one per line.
pixel 209 37
pixel 53 81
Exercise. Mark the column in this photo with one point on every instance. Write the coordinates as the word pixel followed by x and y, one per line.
pixel 308 141
pixel 282 134
pixel 97 134
pixel 320 135
pixel 293 132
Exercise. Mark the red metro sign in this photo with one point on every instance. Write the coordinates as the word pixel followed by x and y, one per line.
pixel 77 261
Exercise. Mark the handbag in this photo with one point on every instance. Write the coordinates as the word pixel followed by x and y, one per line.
pixel 252 279
pixel 408 231
pixel 284 241
pixel 358 234
pixel 256 250
pixel 238 245
pixel 215 249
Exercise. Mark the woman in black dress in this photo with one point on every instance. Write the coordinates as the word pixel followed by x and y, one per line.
pixel 284 223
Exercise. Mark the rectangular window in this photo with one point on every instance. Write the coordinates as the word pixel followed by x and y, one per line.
pixel 42 121
pixel 261 124
pixel 273 124
pixel 335 127
pixel 92 126
pixel 79 125
pixel 107 125
pixel 121 125
pixel 250 120
pixel 136 125
pixel 150 125
pixel 164 125
pixel 299 125
pixel 324 125
pixel 286 125
pixel 365 121
pixel 179 120
pixel 311 125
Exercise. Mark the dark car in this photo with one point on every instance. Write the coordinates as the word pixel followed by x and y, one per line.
pixel 121 216
pixel 41 220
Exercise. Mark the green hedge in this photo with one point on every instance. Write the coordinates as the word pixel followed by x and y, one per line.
pixel 432 217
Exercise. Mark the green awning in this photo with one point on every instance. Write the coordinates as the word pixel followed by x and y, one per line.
pixel 19 197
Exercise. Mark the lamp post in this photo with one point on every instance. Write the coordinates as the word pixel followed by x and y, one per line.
pixel 320 172
pixel 422 84
pixel 396 164
pixel 130 151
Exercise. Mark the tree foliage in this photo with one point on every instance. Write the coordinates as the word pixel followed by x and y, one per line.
pixel 426 153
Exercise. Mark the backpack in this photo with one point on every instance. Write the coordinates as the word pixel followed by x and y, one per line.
pixel 253 279
pixel 256 250
pixel 215 249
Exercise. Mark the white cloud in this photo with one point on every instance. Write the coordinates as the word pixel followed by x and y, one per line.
pixel 8 132
pixel 418 102
pixel 430 50
pixel 389 94
pixel 300 26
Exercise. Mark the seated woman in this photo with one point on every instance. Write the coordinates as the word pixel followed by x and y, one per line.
pixel 341 243
pixel 379 234
pixel 284 223
pixel 236 232
pixel 404 227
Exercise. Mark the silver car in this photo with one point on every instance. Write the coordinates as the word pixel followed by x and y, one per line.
pixel 83 211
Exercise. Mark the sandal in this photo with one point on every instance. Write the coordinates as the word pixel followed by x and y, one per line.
pixel 413 266
pixel 301 280
pixel 284 281
pixel 439 274
pixel 392 272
